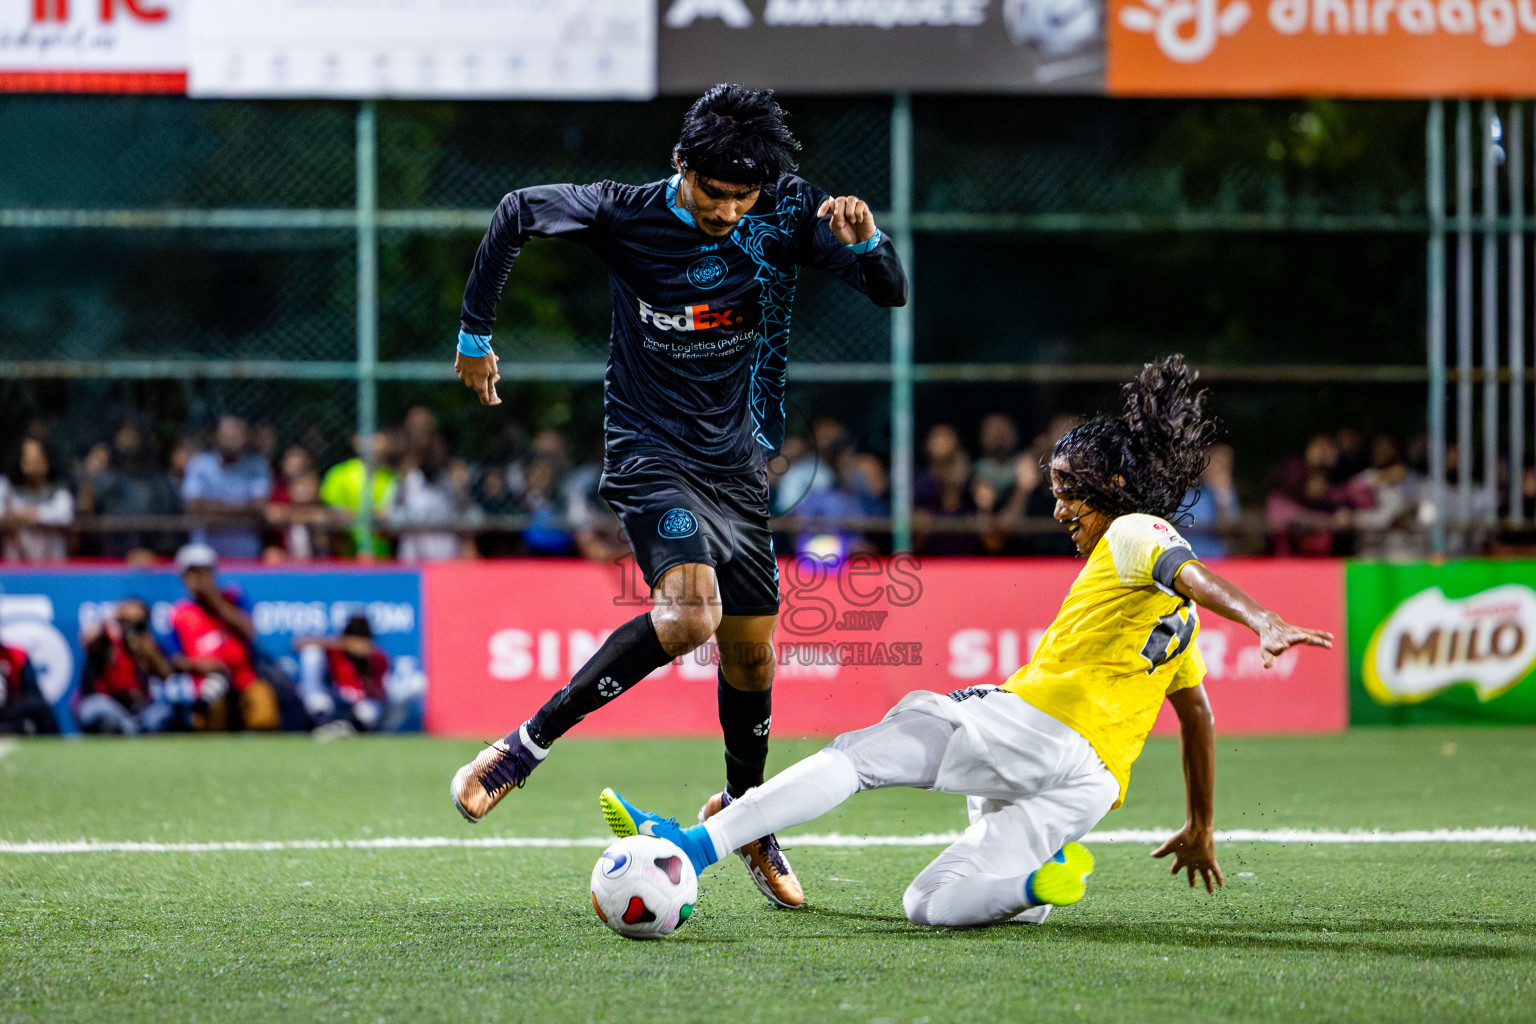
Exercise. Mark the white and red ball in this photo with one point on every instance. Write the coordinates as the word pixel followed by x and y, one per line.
pixel 644 887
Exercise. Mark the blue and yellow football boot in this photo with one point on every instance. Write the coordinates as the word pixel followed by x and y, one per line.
pixel 625 819
pixel 1062 880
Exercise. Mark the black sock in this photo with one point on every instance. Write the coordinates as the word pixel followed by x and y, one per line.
pixel 630 653
pixel 744 718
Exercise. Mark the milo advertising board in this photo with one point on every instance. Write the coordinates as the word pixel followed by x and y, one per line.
pixel 1442 643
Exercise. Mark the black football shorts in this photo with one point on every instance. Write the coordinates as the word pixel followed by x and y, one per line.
pixel 674 515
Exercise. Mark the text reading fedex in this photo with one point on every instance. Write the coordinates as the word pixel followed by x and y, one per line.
pixel 692 318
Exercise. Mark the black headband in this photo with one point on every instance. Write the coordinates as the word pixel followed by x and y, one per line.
pixel 741 170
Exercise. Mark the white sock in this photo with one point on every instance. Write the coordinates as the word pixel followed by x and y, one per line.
pixel 805 790
pixel 539 753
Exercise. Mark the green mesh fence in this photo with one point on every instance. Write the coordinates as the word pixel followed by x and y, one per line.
pixel 321 415
pixel 467 156
pixel 135 152
pixel 555 306
pixel 225 295
pixel 847 146
pixel 78 413
pixel 284 288
pixel 1158 157
pixel 461 155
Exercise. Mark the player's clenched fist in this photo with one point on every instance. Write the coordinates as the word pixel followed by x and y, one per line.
pixel 851 221
pixel 479 375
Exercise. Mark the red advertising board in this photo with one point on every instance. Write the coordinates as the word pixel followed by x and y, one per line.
pixel 502 636
pixel 135 46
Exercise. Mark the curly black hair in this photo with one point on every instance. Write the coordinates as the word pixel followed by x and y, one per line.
pixel 1148 458
pixel 736 134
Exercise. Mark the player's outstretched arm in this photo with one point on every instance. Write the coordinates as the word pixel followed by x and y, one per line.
pixel 853 248
pixel 543 211
pixel 1227 599
pixel 1194 847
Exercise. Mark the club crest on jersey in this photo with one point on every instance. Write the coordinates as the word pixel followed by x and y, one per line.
pixel 676 523
pixel 692 318
pixel 707 272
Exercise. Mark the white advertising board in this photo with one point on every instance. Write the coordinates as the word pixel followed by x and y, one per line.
pixel 93 45
pixel 516 49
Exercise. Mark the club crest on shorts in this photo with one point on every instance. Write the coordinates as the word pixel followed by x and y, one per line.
pixel 676 523
pixel 707 272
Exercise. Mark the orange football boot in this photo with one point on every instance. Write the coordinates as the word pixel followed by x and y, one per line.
pixel 765 861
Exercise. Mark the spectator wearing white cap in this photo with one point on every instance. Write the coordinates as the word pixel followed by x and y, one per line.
pixel 217 640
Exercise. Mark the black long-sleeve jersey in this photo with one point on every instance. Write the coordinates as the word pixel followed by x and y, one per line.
pixel 697 349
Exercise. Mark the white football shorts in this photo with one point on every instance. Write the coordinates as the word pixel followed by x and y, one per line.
pixel 1033 784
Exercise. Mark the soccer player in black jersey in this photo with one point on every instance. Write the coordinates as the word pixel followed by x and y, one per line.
pixel 702 273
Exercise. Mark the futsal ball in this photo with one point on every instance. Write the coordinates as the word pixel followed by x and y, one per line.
pixel 643 887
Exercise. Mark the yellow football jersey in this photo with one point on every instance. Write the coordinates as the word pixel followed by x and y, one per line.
pixel 1123 640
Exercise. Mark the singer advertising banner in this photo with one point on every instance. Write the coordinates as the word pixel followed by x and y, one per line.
pixel 852 640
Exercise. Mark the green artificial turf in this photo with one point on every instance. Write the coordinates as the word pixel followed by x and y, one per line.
pixel 1302 932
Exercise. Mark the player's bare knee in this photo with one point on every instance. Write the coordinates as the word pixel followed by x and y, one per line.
pixel 682 626
pixel 687 607
pixel 748 666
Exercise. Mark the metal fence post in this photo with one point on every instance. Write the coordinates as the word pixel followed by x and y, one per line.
pixel 1491 135
pixel 903 446
pixel 1463 314
pixel 1434 166
pixel 367 312
pixel 1515 133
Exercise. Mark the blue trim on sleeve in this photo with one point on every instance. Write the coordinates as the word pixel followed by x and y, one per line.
pixel 868 245
pixel 474 344
pixel 682 214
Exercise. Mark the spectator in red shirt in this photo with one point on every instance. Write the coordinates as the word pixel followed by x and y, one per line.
pixel 123 687
pixel 217 641
pixel 23 708
pixel 342 679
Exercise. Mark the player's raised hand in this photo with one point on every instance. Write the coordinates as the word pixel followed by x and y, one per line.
pixel 851 221
pixel 1227 599
pixel 1278 636
pixel 479 375
pixel 1194 850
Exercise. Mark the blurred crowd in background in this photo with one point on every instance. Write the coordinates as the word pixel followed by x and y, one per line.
pixel 202 670
pixel 249 495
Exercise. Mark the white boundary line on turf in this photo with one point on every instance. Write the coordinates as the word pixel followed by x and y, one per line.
pixel 1285 835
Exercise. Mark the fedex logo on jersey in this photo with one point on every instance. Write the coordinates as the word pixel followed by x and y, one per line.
pixel 692 318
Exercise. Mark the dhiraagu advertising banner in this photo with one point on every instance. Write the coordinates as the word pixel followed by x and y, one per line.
pixel 1454 642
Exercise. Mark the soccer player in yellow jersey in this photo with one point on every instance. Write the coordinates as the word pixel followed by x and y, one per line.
pixel 1045 756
